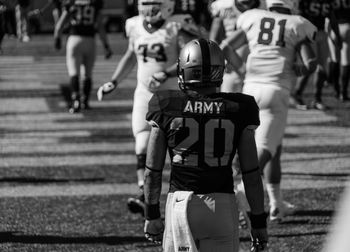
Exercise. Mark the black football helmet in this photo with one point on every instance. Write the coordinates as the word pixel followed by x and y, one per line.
pixel 201 64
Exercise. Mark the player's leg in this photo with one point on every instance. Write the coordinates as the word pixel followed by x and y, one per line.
pixel 213 221
pixel 333 66
pixel 320 73
pixel 297 95
pixel 273 104
pixel 141 130
pixel 19 22
pixel 73 61
pixel 345 61
pixel 88 62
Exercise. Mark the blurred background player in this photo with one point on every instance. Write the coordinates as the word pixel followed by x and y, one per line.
pixel 318 12
pixel 56 10
pixel 155 38
pixel 339 65
pixel 225 14
pixel 22 9
pixel 274 37
pixel 84 17
pixel 202 129
pixel 3 8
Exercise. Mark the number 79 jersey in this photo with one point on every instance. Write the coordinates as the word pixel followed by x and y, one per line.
pixel 203 135
pixel 273 38
pixel 157 50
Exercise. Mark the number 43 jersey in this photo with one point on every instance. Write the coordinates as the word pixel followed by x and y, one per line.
pixel 273 38
pixel 203 133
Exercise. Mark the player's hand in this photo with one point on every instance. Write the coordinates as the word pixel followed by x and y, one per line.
pixel 35 12
pixel 156 80
pixel 108 52
pixel 105 89
pixel 57 43
pixel 154 230
pixel 259 239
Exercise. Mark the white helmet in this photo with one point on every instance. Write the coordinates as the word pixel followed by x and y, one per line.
pixel 292 5
pixel 156 10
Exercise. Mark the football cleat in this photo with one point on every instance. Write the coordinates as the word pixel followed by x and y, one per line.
pixel 75 106
pixel 318 105
pixel 277 213
pixel 137 205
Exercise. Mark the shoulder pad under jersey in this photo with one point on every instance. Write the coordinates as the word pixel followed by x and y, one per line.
pixel 163 103
pixel 247 18
pixel 248 108
pixel 131 24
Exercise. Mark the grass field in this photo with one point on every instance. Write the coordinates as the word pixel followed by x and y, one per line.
pixel 64 179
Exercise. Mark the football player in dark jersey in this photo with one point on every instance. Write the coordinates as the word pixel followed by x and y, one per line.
pixel 339 66
pixel 318 12
pixel 202 130
pixel 84 17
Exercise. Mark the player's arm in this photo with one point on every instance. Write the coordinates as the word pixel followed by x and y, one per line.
pixel 251 176
pixel 126 64
pixel 253 186
pixel 156 154
pixel 61 23
pixel 229 47
pixel 217 31
pixel 103 35
pixel 308 59
pixel 64 18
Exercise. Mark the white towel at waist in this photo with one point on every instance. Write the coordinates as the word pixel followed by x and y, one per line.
pixel 182 236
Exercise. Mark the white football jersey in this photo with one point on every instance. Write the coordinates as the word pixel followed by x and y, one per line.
pixel 156 51
pixel 272 39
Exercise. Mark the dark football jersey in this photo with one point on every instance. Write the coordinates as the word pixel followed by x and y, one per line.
pixel 316 11
pixel 83 16
pixel 203 133
pixel 342 10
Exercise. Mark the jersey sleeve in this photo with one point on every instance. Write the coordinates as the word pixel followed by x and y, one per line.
pixel 249 111
pixel 154 115
pixel 214 9
pixel 305 29
pixel 186 24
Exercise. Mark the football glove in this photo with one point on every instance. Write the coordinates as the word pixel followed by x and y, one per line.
pixel 58 43
pixel 156 80
pixel 105 89
pixel 153 230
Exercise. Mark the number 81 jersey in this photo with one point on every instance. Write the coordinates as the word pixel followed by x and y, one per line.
pixel 273 38
pixel 157 50
pixel 203 135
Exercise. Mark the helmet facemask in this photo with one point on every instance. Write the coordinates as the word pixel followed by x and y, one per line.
pixel 155 10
